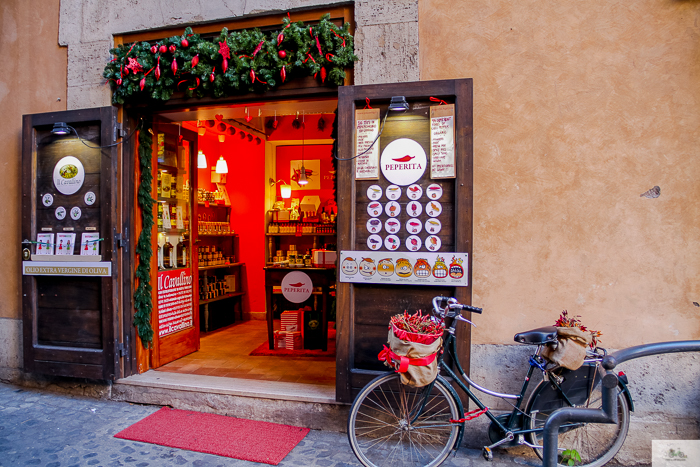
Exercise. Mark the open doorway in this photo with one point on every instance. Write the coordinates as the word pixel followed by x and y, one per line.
pixel 248 218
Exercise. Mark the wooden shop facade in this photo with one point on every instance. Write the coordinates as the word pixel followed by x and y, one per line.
pixel 306 216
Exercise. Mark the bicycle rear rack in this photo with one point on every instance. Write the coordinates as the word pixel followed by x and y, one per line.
pixel 608 413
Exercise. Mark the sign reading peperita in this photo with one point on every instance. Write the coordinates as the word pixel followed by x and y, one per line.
pixel 403 161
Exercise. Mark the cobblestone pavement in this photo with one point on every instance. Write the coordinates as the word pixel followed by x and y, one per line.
pixel 41 428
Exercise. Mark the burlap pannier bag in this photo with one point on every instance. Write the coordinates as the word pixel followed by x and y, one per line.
pixel 406 354
pixel 570 349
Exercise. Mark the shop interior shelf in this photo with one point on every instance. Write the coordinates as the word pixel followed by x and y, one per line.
pixel 295 235
pixel 172 231
pixel 220 266
pixel 222 297
pixel 218 235
pixel 169 168
pixel 214 205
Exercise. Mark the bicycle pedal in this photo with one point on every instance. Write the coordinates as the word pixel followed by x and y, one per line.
pixel 487 453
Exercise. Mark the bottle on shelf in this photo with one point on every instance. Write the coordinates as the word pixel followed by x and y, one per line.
pixel 168 254
pixel 182 251
pixel 160 216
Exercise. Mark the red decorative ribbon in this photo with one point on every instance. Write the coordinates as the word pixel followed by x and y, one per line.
pixel 339 36
pixel 471 415
pixel 435 99
pixel 367 106
pixel 390 357
pixel 329 57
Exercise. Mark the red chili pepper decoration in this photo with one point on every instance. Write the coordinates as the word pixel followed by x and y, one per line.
pixel 212 77
pixel 142 83
pixel 126 71
pixel 280 38
pixel 224 65
pixel 252 76
pixel 119 82
pixel 157 72
pixel 283 73
pixel 173 66
pixel 195 60
pixel 258 48
pixel 323 74
pixel 318 45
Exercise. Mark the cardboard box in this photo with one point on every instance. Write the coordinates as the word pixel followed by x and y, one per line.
pixel 324 258
pixel 293 341
pixel 280 339
pixel 230 283
pixel 291 321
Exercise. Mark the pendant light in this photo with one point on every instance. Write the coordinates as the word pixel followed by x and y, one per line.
pixel 201 160
pixel 302 176
pixel 221 165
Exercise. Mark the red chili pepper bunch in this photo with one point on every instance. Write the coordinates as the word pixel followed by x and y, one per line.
pixel 417 323
pixel 566 321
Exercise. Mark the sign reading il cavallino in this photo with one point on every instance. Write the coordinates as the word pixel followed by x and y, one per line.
pixel 67 268
pixel 401 267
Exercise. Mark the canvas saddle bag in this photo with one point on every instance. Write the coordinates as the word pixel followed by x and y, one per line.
pixel 570 349
pixel 416 363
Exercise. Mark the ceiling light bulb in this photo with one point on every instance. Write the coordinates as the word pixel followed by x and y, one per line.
pixel 302 177
pixel 221 166
pixel 201 160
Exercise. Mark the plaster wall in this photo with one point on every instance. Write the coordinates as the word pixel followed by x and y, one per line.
pixel 32 80
pixel 386 35
pixel 579 108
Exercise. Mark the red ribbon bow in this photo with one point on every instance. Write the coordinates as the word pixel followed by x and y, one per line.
pixel 367 106
pixel 386 355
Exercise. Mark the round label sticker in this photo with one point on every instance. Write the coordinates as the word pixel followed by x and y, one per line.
pixel 433 243
pixel 414 209
pixel 297 287
pixel 374 209
pixel 75 213
pixel 47 199
pixel 374 225
pixel 392 226
pixel 433 208
pixel 68 175
pixel 90 198
pixel 434 191
pixel 433 225
pixel 393 192
pixel 385 267
pixel 391 242
pixel 374 192
pixel 413 243
pixel 392 209
pixel 349 267
pixel 414 191
pixel 374 242
pixel 367 267
pixel 403 161
pixel 414 226
pixel 60 213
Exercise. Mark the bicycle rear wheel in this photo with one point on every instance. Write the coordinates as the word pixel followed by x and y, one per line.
pixel 596 443
pixel 391 424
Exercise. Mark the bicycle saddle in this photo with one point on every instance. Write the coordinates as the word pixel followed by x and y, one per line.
pixel 537 336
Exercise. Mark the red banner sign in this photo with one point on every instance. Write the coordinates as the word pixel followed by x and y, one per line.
pixel 175 309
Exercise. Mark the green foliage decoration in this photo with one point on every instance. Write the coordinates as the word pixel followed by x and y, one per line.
pixel 143 302
pixel 255 63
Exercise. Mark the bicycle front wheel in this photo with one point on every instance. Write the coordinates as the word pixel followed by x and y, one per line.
pixel 595 443
pixel 391 424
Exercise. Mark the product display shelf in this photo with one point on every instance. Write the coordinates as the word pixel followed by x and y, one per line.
pixel 220 266
pixel 221 297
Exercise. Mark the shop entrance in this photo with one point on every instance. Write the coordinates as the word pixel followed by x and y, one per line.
pixel 233 212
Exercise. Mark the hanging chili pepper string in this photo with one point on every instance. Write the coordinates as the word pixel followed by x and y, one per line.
pixel 435 99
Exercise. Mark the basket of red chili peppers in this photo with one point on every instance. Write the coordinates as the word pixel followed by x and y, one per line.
pixel 414 342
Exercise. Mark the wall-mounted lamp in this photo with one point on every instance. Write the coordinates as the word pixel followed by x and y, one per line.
pixel 221 166
pixel 285 189
pixel 222 138
pixel 201 131
pixel 201 160
pixel 398 104
pixel 60 128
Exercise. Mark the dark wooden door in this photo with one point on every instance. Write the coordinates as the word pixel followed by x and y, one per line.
pixel 364 310
pixel 68 304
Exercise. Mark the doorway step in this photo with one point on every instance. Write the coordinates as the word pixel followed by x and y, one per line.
pixel 298 404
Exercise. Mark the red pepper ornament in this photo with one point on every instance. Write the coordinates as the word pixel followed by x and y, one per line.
pixel 280 38
pixel 172 49
pixel 119 82
pixel 157 72
pixel 252 76
pixel 224 65
pixel 258 48
pixel 173 66
pixel 163 48
pixel 184 43
pixel 142 83
pixel 318 45
pixel 283 73
pixel 195 60
pixel 323 74
pixel 211 76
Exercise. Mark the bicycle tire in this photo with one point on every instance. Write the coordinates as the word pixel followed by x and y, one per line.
pixel 596 443
pixel 383 429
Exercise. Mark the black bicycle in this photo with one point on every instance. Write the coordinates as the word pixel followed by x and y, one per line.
pixel 391 424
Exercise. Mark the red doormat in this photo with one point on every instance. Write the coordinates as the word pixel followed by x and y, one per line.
pixel 216 434
pixel 263 350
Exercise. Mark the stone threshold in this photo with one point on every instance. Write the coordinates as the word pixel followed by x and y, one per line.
pixel 258 389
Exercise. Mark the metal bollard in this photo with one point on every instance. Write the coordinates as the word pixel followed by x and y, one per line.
pixel 608 412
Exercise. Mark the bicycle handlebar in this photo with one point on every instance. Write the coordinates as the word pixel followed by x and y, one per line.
pixel 452 307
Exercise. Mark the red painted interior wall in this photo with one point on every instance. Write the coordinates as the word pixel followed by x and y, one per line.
pixel 246 188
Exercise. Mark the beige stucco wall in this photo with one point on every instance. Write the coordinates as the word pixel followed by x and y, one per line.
pixel 32 80
pixel 579 107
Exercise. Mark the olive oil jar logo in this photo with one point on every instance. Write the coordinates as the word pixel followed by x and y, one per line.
pixel 68 175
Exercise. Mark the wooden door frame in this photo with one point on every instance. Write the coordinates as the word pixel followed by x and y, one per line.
pixel 459 91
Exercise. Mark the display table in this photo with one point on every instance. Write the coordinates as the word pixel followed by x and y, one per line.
pixel 321 277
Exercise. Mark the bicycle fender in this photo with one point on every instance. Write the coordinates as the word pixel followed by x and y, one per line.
pixel 625 390
pixel 453 393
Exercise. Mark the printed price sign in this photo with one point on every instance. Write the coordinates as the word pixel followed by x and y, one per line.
pixel 366 131
pixel 442 141
pixel 175 310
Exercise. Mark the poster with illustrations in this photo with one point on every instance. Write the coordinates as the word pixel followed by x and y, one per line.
pixel 90 244
pixel 65 243
pixel 407 268
pixel 44 244
pixel 313 174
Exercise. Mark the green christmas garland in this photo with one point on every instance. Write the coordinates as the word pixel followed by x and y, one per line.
pixel 234 63
pixel 143 303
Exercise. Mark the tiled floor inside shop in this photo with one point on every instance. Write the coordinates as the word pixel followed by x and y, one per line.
pixel 225 352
